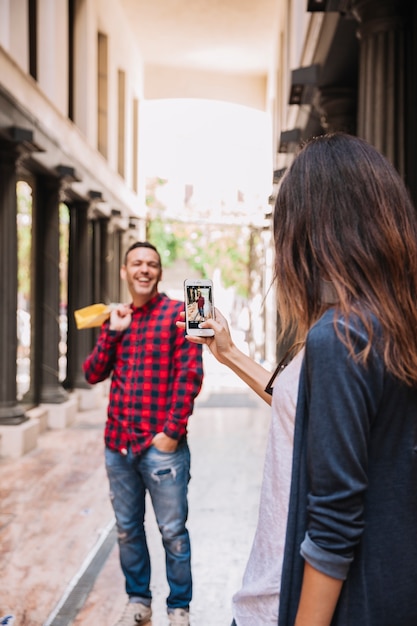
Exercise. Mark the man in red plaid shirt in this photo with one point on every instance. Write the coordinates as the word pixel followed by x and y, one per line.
pixel 155 376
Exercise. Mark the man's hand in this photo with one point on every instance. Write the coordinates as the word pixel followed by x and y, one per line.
pixel 163 443
pixel 120 317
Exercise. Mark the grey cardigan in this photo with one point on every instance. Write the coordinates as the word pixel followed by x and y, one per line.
pixel 353 502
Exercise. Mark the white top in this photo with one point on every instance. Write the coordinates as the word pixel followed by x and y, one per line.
pixel 257 601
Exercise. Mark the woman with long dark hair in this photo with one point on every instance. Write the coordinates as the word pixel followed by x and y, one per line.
pixel 344 218
pixel 345 235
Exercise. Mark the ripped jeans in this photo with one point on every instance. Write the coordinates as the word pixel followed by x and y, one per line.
pixel 166 476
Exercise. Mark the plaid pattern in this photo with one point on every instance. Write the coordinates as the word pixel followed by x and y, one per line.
pixel 156 375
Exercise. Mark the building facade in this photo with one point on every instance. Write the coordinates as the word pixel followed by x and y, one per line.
pixel 71 82
pixel 348 65
pixel 72 197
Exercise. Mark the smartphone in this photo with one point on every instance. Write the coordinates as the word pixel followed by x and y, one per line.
pixel 198 296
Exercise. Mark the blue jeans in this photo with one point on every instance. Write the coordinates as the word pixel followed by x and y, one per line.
pixel 166 476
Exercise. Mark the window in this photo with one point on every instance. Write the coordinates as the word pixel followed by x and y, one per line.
pixel 121 124
pixel 135 146
pixel 102 94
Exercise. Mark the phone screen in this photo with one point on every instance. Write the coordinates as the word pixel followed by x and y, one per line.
pixel 199 306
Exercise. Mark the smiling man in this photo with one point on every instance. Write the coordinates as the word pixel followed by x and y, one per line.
pixel 155 377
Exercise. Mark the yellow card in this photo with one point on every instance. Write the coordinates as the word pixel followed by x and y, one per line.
pixel 93 315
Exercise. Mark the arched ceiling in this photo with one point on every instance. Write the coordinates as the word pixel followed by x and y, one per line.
pixel 233 36
pixel 221 49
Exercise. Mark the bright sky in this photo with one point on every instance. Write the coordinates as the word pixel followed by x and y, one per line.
pixel 215 146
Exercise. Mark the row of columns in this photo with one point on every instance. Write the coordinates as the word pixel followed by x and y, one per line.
pixel 377 111
pixel 381 98
pixel 87 283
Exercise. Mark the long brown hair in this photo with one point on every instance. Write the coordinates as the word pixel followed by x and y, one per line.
pixel 343 215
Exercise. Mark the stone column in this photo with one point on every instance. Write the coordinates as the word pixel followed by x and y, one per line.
pixel 45 384
pixel 10 411
pixel 381 102
pixel 80 342
pixel 100 259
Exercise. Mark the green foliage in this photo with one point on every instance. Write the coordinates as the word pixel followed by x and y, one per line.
pixel 24 243
pixel 205 248
pixel 162 236
pixel 24 238
pixel 63 251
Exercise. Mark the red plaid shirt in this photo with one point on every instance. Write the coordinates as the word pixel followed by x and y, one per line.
pixel 156 375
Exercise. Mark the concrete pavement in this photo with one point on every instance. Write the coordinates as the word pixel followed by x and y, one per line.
pixel 59 558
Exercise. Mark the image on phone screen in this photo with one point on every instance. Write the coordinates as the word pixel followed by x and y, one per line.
pixel 199 305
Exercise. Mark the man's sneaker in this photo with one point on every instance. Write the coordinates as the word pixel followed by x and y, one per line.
pixel 135 614
pixel 179 617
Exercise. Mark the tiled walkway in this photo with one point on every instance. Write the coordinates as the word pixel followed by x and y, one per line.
pixel 56 521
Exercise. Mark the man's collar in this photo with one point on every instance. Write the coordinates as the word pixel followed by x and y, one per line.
pixel 148 305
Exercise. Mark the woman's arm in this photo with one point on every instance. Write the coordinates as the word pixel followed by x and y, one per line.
pixel 341 398
pixel 225 351
pixel 248 370
pixel 319 596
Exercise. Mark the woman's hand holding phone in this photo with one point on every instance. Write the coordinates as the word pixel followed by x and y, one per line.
pixel 226 352
pixel 220 343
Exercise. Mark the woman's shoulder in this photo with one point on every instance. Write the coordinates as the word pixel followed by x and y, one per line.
pixel 336 332
pixel 358 322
